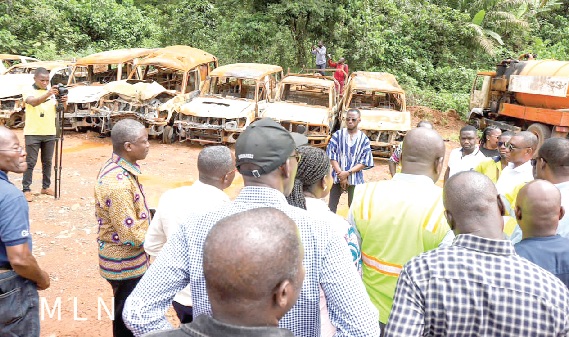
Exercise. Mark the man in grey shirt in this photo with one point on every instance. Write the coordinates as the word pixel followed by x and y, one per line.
pixel 320 53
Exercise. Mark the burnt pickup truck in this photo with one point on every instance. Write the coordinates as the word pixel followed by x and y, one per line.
pixel 381 101
pixel 231 98
pixel 306 100
pixel 87 83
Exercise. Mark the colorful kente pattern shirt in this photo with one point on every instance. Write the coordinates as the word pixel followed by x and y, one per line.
pixel 123 218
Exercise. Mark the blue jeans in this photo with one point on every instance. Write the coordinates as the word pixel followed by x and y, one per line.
pixel 19 306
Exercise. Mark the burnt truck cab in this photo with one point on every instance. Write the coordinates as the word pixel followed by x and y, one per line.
pixel 231 98
pixel 87 83
pixel 528 95
pixel 381 102
pixel 311 101
pixel 20 78
pixel 180 71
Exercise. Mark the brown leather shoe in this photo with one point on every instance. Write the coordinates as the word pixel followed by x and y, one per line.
pixel 47 191
pixel 29 196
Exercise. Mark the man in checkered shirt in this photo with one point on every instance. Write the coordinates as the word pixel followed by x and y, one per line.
pixel 478 286
pixel 266 157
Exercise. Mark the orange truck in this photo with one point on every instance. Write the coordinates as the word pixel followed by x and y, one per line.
pixel 523 95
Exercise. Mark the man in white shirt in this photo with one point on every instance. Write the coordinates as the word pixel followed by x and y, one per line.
pixel 522 147
pixel 320 53
pixel 216 167
pixel 468 156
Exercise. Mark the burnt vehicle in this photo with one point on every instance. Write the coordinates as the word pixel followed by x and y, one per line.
pixel 87 86
pixel 157 86
pixel 18 79
pixel 231 98
pixel 381 101
pixel 9 60
pixel 310 101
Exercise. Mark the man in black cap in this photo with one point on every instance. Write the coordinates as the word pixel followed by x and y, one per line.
pixel 266 157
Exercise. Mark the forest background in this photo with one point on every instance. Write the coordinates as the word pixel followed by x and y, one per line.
pixel 433 47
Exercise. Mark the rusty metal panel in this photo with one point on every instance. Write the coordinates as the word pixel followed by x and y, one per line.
pixel 540 85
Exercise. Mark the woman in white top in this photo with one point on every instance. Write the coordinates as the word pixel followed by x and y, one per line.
pixel 312 184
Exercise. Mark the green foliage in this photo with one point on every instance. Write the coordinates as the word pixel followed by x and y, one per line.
pixel 433 47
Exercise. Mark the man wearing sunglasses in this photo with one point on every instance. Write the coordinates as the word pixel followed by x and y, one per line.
pixel 350 153
pixel 522 147
pixel 552 164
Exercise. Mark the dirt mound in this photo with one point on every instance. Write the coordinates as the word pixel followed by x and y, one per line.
pixel 449 119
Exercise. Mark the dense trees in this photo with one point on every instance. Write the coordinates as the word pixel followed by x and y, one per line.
pixel 434 47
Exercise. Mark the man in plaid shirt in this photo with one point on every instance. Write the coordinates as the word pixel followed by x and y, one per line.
pixel 478 286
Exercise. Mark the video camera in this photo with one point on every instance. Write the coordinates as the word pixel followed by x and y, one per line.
pixel 62 91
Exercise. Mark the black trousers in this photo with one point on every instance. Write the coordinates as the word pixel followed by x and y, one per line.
pixel 121 290
pixel 336 192
pixel 184 313
pixel 35 145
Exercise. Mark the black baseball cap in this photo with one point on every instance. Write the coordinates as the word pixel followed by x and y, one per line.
pixel 266 144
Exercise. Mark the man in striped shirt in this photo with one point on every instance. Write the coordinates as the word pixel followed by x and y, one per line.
pixel 350 153
pixel 400 218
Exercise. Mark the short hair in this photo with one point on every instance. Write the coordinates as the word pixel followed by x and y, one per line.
pixel 215 161
pixel 507 134
pixel 555 151
pixel 314 165
pixel 354 110
pixel 425 124
pixel 41 71
pixel 529 139
pixel 468 128
pixel 247 254
pixel 125 130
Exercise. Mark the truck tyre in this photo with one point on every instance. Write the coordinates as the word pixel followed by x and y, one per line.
pixel 558 134
pixel 542 132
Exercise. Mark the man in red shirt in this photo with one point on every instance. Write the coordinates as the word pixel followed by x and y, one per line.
pixel 341 71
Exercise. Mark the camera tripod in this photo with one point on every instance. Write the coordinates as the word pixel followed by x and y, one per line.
pixel 58 148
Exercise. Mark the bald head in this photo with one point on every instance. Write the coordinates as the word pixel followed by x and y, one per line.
pixel 538 209
pixel 473 206
pixel 247 256
pixel 6 136
pixel 215 162
pixel 423 153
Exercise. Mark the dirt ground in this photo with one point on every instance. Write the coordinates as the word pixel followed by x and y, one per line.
pixel 65 231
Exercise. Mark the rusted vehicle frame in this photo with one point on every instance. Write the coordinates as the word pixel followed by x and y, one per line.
pixel 86 87
pixel 9 60
pixel 180 70
pixel 306 103
pixel 381 101
pixel 16 80
pixel 225 108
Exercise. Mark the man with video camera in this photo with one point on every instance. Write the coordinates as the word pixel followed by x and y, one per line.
pixel 40 129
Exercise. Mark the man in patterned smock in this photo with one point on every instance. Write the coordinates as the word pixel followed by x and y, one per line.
pixel 123 216
pixel 350 153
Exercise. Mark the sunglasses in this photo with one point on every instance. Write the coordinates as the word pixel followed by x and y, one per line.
pixel 533 161
pixel 512 147
pixel 500 144
pixel 351 119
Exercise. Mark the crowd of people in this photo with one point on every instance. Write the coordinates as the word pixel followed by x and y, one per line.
pixel 487 255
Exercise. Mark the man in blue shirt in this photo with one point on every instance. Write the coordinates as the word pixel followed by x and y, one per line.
pixel 538 211
pixel 20 275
